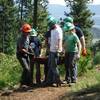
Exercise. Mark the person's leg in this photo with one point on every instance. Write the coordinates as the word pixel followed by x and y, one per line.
pixel 49 79
pixel 26 76
pixel 75 73
pixel 73 67
pixel 45 71
pixel 67 68
pixel 31 68
pixel 38 73
pixel 37 65
pixel 56 77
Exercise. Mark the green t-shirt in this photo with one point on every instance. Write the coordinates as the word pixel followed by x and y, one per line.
pixel 70 41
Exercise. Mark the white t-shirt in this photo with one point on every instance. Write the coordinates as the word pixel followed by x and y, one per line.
pixel 56 39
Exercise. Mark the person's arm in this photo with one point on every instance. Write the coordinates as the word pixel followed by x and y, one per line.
pixel 21 48
pixel 79 47
pixel 59 45
pixel 60 39
pixel 82 40
pixel 80 34
pixel 24 47
pixel 25 51
pixel 76 39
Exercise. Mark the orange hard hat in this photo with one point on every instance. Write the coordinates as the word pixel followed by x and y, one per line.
pixel 26 28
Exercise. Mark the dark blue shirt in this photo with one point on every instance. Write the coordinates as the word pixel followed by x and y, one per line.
pixel 47 34
pixel 35 43
pixel 79 32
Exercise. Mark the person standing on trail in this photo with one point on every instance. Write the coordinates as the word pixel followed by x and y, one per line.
pixel 23 55
pixel 35 45
pixel 55 48
pixel 79 33
pixel 72 52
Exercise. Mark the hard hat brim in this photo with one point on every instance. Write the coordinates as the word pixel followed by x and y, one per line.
pixel 28 30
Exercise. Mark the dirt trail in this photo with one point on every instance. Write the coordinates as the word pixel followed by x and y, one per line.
pixel 52 93
pixel 47 93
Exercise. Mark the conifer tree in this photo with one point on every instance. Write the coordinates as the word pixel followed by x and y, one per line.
pixel 82 15
pixel 42 16
pixel 7 29
pixel 39 16
pixel 33 12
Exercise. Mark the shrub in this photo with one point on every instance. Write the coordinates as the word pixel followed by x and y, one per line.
pixel 96 59
pixel 9 70
pixel 85 63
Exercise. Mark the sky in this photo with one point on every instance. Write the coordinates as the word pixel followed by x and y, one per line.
pixel 61 2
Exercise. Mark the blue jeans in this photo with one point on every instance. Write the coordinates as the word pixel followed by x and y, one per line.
pixel 70 66
pixel 37 65
pixel 53 73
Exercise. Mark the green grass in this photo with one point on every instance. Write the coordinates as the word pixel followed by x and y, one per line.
pixel 90 79
pixel 87 87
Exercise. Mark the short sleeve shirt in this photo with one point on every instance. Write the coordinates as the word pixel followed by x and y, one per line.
pixel 56 34
pixel 71 41
pixel 36 41
pixel 22 43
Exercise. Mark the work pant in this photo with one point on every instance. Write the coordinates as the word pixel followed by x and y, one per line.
pixel 26 73
pixel 46 70
pixel 70 66
pixel 53 73
pixel 37 65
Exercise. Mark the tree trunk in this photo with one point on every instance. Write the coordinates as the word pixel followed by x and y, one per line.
pixel 35 14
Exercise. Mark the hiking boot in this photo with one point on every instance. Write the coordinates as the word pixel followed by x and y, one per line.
pixel 73 81
pixel 46 84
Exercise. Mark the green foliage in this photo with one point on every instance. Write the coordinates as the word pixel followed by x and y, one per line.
pixel 90 80
pixel 9 70
pixel 13 14
pixel 85 63
pixel 96 59
pixel 95 48
pixel 62 70
pixel 42 18
pixel 7 29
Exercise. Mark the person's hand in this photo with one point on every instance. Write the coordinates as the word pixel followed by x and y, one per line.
pixel 31 54
pixel 60 53
pixel 77 57
pixel 84 52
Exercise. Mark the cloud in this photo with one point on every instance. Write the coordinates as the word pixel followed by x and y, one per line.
pixel 96 1
pixel 60 2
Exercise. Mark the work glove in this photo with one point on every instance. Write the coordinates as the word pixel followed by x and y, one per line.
pixel 60 52
pixel 84 52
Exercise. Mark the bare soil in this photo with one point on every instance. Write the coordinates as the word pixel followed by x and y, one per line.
pixel 46 93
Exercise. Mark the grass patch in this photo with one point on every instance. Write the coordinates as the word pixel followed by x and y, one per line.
pixel 91 78
pixel 87 88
